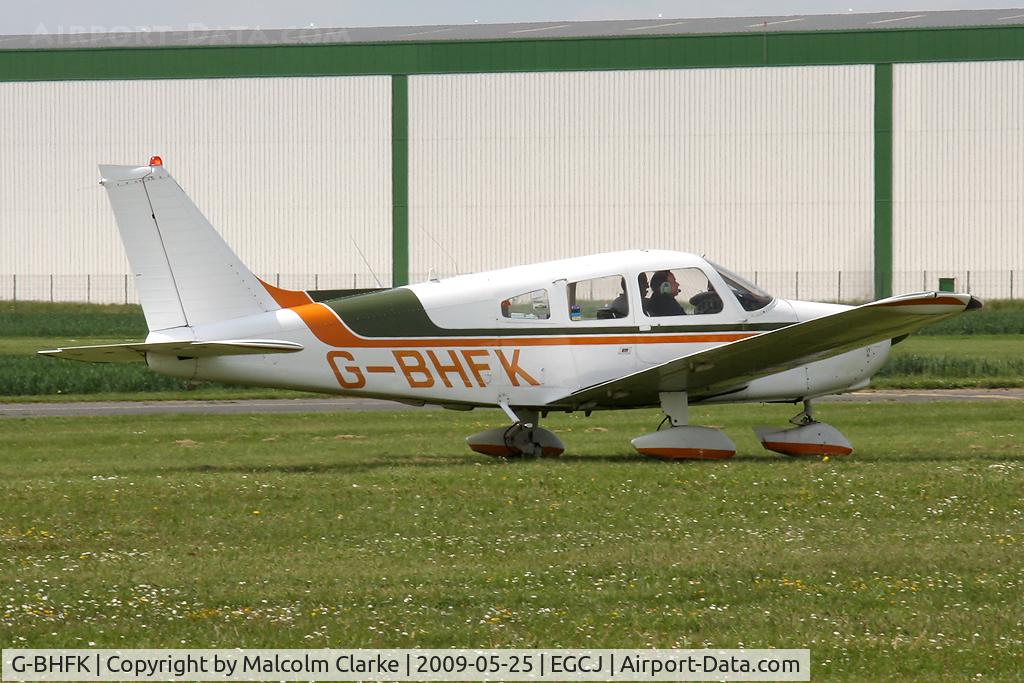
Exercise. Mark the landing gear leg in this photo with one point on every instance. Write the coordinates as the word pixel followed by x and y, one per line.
pixel 682 441
pixel 808 437
pixel 523 438
pixel 804 417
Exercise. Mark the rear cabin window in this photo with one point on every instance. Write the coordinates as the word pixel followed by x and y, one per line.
pixel 600 298
pixel 528 306
pixel 680 291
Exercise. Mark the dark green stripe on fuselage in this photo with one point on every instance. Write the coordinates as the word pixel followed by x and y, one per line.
pixel 399 313
pixel 325 295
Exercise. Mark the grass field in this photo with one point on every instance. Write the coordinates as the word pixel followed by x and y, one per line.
pixel 24 375
pixel 980 349
pixel 948 362
pixel 997 317
pixel 903 561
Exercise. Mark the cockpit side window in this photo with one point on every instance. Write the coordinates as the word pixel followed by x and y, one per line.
pixel 750 296
pixel 680 291
pixel 528 306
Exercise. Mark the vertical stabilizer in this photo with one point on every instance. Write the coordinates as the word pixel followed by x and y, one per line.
pixel 185 273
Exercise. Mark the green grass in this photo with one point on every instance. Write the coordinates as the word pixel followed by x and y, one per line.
pixel 38 319
pixel 998 348
pixel 954 361
pixel 41 378
pixel 26 376
pixel 41 319
pixel 902 561
pixel 997 317
pixel 201 392
pixel 35 376
pixel 964 357
pixel 918 362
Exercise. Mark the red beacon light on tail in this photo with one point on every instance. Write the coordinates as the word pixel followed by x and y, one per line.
pixel 156 161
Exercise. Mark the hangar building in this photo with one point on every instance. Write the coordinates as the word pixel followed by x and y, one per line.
pixel 831 157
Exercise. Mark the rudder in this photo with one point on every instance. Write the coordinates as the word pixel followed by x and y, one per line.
pixel 185 274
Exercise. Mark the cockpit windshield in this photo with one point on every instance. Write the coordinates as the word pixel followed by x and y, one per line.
pixel 750 296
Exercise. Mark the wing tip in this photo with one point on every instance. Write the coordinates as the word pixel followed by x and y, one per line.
pixel 964 302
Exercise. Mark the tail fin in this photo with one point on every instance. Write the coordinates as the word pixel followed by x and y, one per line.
pixel 185 273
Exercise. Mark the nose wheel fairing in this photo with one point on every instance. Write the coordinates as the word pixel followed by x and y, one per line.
pixel 682 441
pixel 816 438
pixel 686 443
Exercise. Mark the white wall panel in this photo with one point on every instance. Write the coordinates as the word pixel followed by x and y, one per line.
pixel 291 171
pixel 958 175
pixel 762 169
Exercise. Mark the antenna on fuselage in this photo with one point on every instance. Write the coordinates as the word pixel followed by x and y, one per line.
pixel 443 250
pixel 367 263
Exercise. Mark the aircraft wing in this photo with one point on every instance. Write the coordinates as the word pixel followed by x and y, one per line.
pixel 131 352
pixel 732 365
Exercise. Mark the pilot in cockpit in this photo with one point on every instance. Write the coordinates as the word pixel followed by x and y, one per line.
pixel 664 289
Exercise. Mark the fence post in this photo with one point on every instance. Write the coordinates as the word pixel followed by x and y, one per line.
pixel 88 288
pixel 1011 283
pixel 968 282
pixel 924 280
pixel 797 295
pixel 126 288
pixel 51 288
pixel 316 280
pixel 14 279
pixel 277 280
pixel 353 280
pixel 839 291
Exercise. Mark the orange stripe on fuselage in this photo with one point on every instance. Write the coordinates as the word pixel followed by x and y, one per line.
pixel 286 298
pixel 329 328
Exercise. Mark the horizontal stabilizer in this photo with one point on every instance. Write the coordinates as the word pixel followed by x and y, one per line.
pixel 131 352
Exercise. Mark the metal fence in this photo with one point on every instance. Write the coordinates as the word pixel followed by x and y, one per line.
pixel 847 286
pixel 858 286
pixel 816 285
pixel 120 289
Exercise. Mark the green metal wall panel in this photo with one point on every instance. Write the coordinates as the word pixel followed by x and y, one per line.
pixel 883 180
pixel 642 52
pixel 880 47
pixel 399 181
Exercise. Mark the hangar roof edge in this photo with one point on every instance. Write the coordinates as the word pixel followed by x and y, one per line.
pixel 79 37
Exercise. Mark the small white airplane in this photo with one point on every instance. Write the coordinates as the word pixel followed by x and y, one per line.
pixel 629 329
